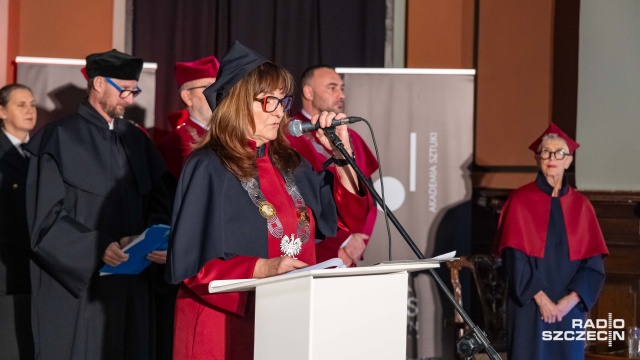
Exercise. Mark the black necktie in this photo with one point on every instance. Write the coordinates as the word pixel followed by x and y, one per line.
pixel 25 153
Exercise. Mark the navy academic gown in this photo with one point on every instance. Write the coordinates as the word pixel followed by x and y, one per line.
pixel 557 276
pixel 15 301
pixel 218 233
pixel 89 186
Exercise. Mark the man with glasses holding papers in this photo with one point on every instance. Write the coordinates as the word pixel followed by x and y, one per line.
pixel 93 185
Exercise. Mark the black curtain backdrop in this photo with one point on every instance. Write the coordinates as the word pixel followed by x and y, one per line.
pixel 293 33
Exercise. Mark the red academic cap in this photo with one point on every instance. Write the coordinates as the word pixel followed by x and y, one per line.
pixel 199 69
pixel 84 73
pixel 554 129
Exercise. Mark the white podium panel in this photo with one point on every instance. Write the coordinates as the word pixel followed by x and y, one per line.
pixel 349 313
pixel 358 317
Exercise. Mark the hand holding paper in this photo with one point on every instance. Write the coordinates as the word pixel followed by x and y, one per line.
pixel 158 256
pixel 151 245
pixel 276 266
pixel 114 255
pixel 336 263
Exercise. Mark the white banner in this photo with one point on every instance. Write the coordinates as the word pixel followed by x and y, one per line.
pixel 423 123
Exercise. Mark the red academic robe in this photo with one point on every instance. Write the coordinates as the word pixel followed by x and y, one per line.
pixel 316 154
pixel 221 326
pixel 176 146
pixel 178 118
pixel 524 221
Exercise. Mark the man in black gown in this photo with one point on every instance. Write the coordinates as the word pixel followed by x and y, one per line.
pixel 93 184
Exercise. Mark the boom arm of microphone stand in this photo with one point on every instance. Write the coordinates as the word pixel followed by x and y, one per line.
pixel 478 333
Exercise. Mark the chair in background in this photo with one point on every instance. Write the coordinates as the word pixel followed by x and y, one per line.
pixel 491 285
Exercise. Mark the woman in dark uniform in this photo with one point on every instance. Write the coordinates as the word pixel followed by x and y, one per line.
pixel 17 118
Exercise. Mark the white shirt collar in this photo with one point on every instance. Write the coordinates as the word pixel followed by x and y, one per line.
pixel 206 127
pixel 306 114
pixel 16 142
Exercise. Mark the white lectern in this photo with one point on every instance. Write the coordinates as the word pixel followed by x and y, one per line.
pixel 347 313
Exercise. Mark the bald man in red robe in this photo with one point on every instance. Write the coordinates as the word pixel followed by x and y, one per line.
pixel 322 90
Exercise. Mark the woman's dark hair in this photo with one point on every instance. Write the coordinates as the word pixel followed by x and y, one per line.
pixel 5 92
pixel 234 117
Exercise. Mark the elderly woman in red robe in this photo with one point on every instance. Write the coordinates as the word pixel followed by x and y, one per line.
pixel 249 206
pixel 553 250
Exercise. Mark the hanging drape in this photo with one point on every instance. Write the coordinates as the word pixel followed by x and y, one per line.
pixel 293 33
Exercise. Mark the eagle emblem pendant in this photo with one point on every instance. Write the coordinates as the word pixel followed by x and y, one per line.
pixel 290 246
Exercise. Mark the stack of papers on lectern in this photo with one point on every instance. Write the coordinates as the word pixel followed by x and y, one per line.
pixel 440 258
pixel 154 238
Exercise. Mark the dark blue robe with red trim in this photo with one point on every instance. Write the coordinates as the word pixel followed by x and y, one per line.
pixel 218 233
pixel 563 256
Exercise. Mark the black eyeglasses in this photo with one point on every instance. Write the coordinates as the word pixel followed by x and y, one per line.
pixel 270 103
pixel 198 87
pixel 124 93
pixel 545 154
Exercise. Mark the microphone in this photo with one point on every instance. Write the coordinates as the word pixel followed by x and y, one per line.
pixel 297 127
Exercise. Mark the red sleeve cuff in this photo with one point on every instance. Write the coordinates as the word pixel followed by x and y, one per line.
pixel 239 267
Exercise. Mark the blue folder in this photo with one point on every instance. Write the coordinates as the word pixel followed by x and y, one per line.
pixel 154 238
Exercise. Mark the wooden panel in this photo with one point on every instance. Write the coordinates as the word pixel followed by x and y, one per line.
pixel 440 34
pixel 617 214
pixel 615 210
pixel 620 298
pixel 592 356
pixel 622 260
pixel 514 81
pixel 619 226
pixel 621 239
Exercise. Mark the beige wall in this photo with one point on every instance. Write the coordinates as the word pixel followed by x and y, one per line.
pixel 440 34
pixel 514 79
pixel 9 43
pixel 514 72
pixel 64 29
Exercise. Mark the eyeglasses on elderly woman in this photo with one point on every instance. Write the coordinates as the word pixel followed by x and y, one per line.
pixel 270 103
pixel 545 154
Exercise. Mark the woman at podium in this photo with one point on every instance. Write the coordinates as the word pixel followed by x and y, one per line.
pixel 249 206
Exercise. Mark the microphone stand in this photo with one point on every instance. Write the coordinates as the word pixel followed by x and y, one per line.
pixel 474 340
